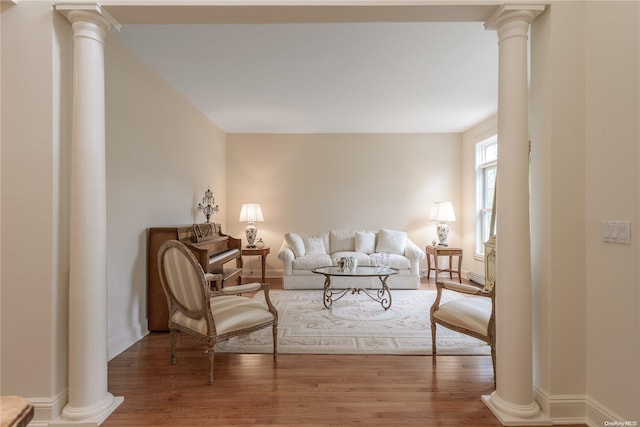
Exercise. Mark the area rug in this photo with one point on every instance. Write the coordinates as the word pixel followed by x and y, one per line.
pixel 354 325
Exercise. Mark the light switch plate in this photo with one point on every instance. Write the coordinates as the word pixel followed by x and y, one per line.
pixel 606 231
pixel 616 232
pixel 623 234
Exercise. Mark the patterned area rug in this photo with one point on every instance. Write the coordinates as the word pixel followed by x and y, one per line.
pixel 354 325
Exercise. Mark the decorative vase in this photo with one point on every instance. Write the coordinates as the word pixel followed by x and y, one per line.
pixel 353 263
pixel 259 243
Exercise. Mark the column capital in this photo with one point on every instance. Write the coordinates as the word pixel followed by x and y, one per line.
pixel 524 13
pixel 93 13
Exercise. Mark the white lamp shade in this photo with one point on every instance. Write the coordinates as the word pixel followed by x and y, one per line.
pixel 251 212
pixel 443 211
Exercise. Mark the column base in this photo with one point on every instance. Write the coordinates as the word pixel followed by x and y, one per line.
pixel 516 415
pixel 91 421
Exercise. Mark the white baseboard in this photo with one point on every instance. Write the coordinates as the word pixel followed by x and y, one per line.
pixel 476 277
pixel 598 415
pixel 562 409
pixel 577 409
pixel 46 409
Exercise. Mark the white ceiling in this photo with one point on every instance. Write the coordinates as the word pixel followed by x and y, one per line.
pixel 327 77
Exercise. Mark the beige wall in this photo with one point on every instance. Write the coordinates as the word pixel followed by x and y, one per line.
pixel 612 143
pixel 584 170
pixel 343 181
pixel 36 70
pixel 162 154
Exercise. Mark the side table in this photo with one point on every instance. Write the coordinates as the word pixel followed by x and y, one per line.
pixel 262 253
pixel 438 251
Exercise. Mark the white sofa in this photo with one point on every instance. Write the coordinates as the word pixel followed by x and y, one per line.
pixel 302 252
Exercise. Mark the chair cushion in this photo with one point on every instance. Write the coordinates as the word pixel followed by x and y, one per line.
pixel 230 313
pixel 470 313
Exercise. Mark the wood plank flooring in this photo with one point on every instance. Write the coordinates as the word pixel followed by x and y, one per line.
pixel 315 390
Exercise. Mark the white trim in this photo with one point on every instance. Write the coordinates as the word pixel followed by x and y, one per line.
pixel 482 164
pixel 46 409
pixel 511 414
pixel 575 409
pixel 563 408
pixel 597 414
pixel 476 277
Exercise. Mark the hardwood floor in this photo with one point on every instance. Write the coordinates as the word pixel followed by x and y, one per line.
pixel 319 390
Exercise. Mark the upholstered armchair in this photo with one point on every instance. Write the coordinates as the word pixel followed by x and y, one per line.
pixel 474 314
pixel 207 315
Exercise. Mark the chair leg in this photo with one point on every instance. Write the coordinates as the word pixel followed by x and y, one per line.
pixel 275 341
pixel 433 339
pixel 174 338
pixel 211 351
pixel 493 360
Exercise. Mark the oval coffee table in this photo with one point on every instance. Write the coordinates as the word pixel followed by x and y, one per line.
pixel 382 295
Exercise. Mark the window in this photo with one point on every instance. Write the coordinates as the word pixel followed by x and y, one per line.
pixel 486 168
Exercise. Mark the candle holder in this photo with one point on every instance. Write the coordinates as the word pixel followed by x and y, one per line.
pixel 208 206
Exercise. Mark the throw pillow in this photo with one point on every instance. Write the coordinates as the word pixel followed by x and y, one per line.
pixel 314 246
pixel 342 241
pixel 295 242
pixel 391 241
pixel 365 242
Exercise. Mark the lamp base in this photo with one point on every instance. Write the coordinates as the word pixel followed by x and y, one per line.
pixel 443 233
pixel 250 247
pixel 251 232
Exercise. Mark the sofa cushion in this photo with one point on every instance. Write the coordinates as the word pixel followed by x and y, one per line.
pixel 363 259
pixel 391 241
pixel 365 242
pixel 314 246
pixel 342 240
pixel 296 243
pixel 399 261
pixel 309 262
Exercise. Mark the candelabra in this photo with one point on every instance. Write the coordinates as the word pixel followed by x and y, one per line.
pixel 208 206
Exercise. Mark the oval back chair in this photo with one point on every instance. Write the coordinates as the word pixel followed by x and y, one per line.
pixel 207 315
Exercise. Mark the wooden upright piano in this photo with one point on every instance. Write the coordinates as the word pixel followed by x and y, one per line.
pixel 212 248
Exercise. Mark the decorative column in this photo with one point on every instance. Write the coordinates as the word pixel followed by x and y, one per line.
pixel 89 401
pixel 513 402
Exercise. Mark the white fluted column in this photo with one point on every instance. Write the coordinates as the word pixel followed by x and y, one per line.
pixel 89 401
pixel 513 402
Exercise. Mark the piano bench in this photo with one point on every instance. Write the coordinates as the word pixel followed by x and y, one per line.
pixel 222 276
pixel 214 279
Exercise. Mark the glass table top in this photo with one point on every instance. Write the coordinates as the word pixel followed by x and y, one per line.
pixel 359 271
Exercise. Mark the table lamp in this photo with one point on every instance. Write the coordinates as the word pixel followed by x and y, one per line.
pixel 251 213
pixel 443 213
